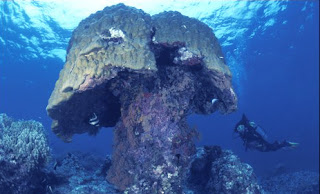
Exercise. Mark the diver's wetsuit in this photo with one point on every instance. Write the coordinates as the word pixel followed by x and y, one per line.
pixel 252 139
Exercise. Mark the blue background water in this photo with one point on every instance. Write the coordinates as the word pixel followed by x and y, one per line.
pixel 271 47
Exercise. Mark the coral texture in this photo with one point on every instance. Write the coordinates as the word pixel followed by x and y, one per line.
pixel 79 173
pixel 173 27
pixel 123 39
pixel 220 171
pixel 293 182
pixel 144 75
pixel 24 151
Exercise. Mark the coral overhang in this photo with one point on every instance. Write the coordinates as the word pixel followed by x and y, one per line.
pixel 144 75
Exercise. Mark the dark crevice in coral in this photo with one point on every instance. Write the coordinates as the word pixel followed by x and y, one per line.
pixel 97 101
pixel 169 71
pixel 200 169
pixel 165 54
pixel 170 54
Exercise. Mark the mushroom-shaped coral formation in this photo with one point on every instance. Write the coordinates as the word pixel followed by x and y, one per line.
pixel 144 75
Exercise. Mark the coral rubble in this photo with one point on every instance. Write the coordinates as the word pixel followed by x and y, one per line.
pixel 24 151
pixel 144 75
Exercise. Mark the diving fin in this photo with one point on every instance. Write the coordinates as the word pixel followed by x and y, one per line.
pixel 292 144
pixel 244 118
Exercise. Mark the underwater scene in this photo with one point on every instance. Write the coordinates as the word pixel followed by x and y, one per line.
pixel 159 97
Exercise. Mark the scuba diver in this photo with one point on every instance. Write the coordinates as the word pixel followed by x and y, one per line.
pixel 254 137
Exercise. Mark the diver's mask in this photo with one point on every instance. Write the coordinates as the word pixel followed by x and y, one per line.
pixel 253 124
pixel 240 129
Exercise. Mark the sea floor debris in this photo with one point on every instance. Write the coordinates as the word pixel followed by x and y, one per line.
pixel 212 170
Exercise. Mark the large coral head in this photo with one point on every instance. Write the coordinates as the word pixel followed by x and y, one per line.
pixel 143 75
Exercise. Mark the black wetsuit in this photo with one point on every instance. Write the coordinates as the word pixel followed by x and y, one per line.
pixel 254 140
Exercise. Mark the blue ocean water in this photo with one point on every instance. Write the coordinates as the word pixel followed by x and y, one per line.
pixel 271 47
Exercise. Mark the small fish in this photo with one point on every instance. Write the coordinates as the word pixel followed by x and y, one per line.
pixel 214 100
pixel 94 120
pixel 95 123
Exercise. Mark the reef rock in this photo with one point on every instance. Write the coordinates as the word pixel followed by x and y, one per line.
pixel 144 75
pixel 24 151
pixel 214 170
pixel 292 182
pixel 77 173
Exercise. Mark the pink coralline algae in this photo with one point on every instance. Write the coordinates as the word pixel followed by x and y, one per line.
pixel 90 83
pixel 144 86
